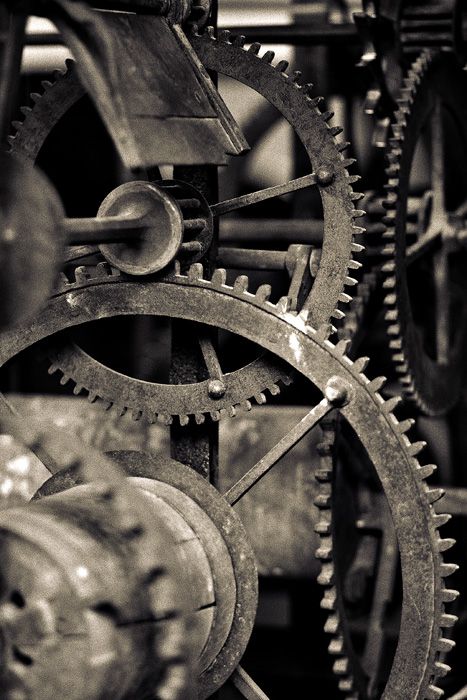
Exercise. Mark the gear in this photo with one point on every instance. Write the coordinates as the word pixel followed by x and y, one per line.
pixel 428 359
pixel 415 665
pixel 393 33
pixel 44 619
pixel 311 126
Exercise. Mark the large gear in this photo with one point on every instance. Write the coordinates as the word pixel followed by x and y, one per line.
pixel 428 360
pixel 318 138
pixel 416 661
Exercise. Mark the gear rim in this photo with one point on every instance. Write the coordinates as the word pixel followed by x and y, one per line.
pixel 399 471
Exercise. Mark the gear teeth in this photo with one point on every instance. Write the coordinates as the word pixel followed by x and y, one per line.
pixel 444 646
pixel 426 471
pixel 210 32
pixel 341 666
pixel 215 416
pixel 327 115
pixel 332 624
pixel 316 101
pixel 260 398
pixel 377 384
pixel 448 569
pixel 296 77
pixel 357 248
pixel 336 646
pixel 195 272
pixel 434 495
pixel 342 347
pixel 354 265
pixel 449 595
pixel 361 364
pixel 219 277
pixel 434 693
pixel 444 545
pixel 441 669
pixel 447 620
pixel 224 36
pixel 441 519
pixel 268 57
pixel 241 284
pixel 344 298
pixel 199 418
pixel 254 48
pixel 239 41
pixel 416 447
pixel 391 404
pixel 165 419
pixel 282 66
pixel 343 146
pixel 323 332
pixel 338 314
pixel 263 293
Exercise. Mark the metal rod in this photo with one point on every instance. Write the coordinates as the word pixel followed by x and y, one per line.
pixel 312 34
pixel 245 259
pixel 265 464
pixel 262 195
pixel 103 229
pixel 257 230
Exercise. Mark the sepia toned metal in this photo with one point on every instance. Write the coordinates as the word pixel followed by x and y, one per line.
pixel 427 353
pixel 394 458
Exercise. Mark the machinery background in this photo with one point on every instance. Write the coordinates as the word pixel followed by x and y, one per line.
pixel 196 471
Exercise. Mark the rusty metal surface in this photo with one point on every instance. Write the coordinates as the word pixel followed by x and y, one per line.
pixel 216 304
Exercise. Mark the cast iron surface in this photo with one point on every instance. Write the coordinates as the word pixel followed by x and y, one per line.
pixel 415 666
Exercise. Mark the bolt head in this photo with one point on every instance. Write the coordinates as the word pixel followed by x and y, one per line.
pixel 325 174
pixel 216 389
pixel 337 392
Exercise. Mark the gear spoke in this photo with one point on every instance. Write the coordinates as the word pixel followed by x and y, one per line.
pixel 441 280
pixel 384 592
pixel 437 162
pixel 210 357
pixel 423 244
pixel 262 195
pixel 265 464
pixel 246 685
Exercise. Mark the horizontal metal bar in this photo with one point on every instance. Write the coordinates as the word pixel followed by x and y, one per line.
pixel 105 229
pixel 258 230
pixel 246 259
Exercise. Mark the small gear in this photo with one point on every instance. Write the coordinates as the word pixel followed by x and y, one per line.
pixel 427 339
pixel 415 665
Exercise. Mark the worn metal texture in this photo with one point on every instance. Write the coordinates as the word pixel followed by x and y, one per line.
pixel 27 253
pixel 394 459
pixel 218 565
pixel 427 348
pixel 172 115
pixel 119 514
